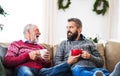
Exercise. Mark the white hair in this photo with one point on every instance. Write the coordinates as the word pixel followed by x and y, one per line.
pixel 28 27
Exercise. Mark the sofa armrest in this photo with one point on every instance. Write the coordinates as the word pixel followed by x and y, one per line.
pixel 3 51
pixel 112 54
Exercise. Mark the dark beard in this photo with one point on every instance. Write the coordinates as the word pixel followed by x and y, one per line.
pixel 73 36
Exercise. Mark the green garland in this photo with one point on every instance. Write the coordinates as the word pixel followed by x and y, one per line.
pixel 98 3
pixel 61 6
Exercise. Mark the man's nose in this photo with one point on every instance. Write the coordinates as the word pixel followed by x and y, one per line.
pixel 68 29
pixel 39 33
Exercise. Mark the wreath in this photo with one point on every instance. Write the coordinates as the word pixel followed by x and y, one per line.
pixel 104 8
pixel 61 6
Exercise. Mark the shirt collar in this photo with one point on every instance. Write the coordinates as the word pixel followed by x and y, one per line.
pixel 82 37
pixel 27 41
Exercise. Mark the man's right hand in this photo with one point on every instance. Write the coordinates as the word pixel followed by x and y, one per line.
pixel 34 55
pixel 72 59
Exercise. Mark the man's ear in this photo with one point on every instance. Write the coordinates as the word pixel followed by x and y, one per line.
pixel 28 31
pixel 79 30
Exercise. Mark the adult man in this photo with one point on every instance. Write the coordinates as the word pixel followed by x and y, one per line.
pixel 24 56
pixel 90 63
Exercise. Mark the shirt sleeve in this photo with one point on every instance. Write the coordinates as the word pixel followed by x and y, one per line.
pixel 12 59
pixel 96 58
pixel 59 56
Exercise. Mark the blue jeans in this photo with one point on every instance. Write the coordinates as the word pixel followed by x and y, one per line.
pixel 58 70
pixel 116 71
pixel 87 71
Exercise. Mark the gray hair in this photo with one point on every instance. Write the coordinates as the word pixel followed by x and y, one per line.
pixel 28 27
pixel 77 21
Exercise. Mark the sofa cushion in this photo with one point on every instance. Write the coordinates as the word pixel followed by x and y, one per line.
pixel 112 52
pixel 101 50
pixel 50 49
pixel 4 44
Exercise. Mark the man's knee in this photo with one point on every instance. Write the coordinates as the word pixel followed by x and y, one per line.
pixel 28 73
pixel 24 71
pixel 118 64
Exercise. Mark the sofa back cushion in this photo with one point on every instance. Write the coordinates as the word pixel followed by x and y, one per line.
pixel 112 52
pixel 50 49
pixel 101 50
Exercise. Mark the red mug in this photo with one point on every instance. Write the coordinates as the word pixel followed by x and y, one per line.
pixel 75 52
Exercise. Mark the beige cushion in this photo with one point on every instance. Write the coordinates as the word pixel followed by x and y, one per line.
pixel 54 49
pixel 50 49
pixel 4 44
pixel 112 52
pixel 100 48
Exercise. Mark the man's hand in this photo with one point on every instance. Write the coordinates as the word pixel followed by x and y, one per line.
pixel 34 55
pixel 46 56
pixel 85 55
pixel 72 59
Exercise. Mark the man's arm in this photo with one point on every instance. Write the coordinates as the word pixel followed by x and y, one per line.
pixel 59 56
pixel 12 58
pixel 96 57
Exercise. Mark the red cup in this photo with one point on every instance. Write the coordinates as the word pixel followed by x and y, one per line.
pixel 75 52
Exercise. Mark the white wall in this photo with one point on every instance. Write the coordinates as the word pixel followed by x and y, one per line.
pixel 92 23
pixel 20 13
pixel 52 22
pixel 114 20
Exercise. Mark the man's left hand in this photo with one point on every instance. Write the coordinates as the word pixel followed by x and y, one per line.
pixel 85 55
pixel 46 56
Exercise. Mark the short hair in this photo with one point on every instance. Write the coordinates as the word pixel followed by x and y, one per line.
pixel 77 21
pixel 28 27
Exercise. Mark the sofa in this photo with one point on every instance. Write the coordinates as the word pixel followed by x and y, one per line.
pixel 110 52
